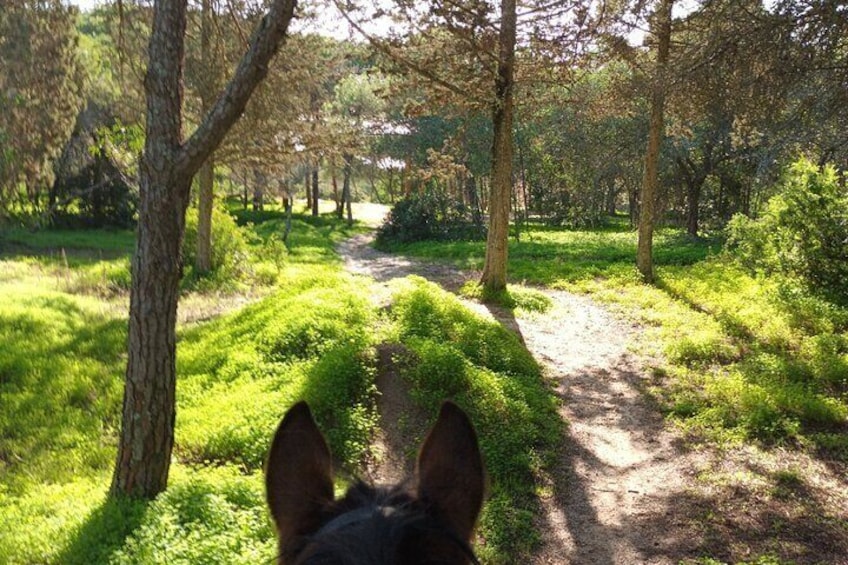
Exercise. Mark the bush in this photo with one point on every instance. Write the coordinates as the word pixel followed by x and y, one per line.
pixel 430 217
pixel 803 233
pixel 229 251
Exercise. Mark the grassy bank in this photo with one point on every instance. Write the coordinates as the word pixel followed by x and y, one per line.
pixel 311 336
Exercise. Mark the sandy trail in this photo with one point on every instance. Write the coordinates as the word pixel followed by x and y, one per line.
pixel 611 500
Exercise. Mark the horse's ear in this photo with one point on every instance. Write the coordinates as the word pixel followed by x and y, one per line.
pixel 450 470
pixel 298 474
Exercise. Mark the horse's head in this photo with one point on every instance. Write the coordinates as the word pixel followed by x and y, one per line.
pixel 431 523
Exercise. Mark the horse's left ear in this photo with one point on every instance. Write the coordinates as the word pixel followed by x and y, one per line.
pixel 450 470
pixel 298 475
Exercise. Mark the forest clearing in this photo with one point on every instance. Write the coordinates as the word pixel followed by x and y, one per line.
pixel 568 278
pixel 613 481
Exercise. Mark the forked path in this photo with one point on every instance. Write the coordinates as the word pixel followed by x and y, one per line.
pixel 612 498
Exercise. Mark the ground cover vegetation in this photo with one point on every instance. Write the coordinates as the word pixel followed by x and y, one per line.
pixel 470 116
pixel 311 337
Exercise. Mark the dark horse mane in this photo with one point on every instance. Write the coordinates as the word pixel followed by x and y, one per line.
pixel 430 523
pixel 388 521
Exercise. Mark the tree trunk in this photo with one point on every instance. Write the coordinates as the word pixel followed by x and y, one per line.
pixel 206 176
pixel 307 180
pixel 335 183
pixel 494 269
pixel 693 198
pixel 650 181
pixel 206 185
pixel 315 189
pixel 524 197
pixel 346 174
pixel 165 172
pixel 289 204
pixel 259 181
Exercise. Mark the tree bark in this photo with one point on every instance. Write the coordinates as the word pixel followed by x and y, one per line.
pixel 335 184
pixel 206 177
pixel 494 269
pixel 307 181
pixel 259 182
pixel 650 181
pixel 315 189
pixel 166 169
pixel 346 174
pixel 205 203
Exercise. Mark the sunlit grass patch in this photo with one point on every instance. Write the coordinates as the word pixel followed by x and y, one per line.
pixel 241 372
pixel 732 343
pixel 38 523
pixel 482 366
pixel 60 380
pixel 212 515
pixel 513 297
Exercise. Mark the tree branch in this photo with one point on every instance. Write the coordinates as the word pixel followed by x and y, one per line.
pixel 251 70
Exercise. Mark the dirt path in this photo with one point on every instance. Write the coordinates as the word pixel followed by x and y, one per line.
pixel 620 464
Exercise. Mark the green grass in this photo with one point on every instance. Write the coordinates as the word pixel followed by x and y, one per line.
pixel 61 381
pixel 99 241
pixel 459 355
pixel 310 339
pixel 558 257
pixel 746 357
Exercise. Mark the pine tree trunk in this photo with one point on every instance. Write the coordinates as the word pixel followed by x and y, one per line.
pixel 307 178
pixel 167 166
pixel 146 442
pixel 693 198
pixel 494 269
pixel 650 181
pixel 206 184
pixel 335 184
pixel 315 189
pixel 347 171
pixel 206 180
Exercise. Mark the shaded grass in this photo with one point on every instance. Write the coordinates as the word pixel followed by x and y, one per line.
pixel 116 242
pixel 482 366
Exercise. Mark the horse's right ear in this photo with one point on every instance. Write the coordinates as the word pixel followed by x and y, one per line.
pixel 298 475
pixel 450 470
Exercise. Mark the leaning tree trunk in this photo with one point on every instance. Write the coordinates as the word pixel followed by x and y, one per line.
pixel 650 181
pixel 167 166
pixel 494 269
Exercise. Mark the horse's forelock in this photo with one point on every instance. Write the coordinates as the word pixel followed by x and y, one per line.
pixel 378 526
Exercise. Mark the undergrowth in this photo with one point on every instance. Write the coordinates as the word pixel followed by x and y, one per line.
pixel 61 383
pixel 457 354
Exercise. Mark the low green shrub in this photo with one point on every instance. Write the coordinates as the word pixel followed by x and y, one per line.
pixel 803 233
pixel 239 373
pixel 229 253
pixel 206 516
